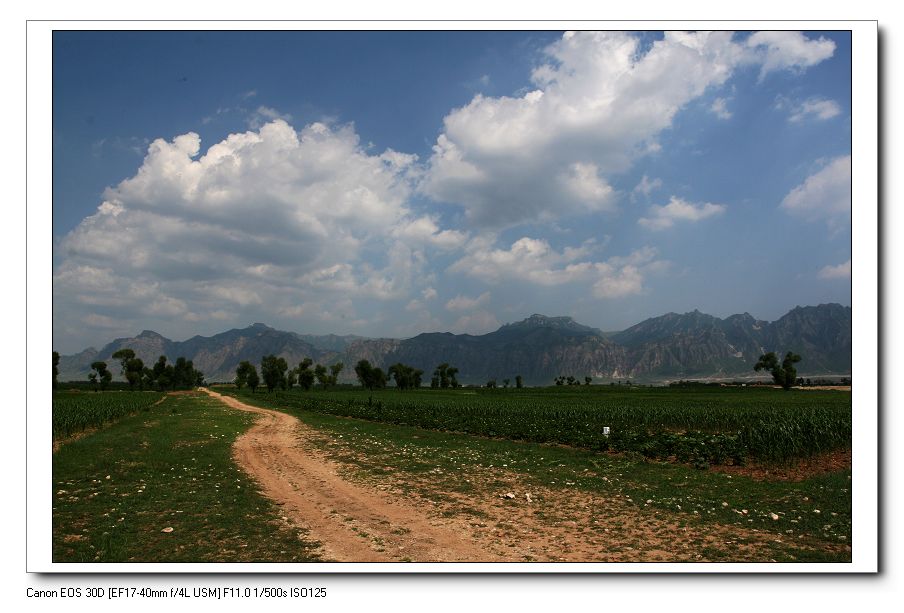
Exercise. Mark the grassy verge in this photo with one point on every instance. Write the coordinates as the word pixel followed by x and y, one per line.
pixel 805 521
pixel 115 491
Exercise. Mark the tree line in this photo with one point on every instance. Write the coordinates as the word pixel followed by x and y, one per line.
pixel 519 383
pixel 571 380
pixel 181 374
pixel 275 373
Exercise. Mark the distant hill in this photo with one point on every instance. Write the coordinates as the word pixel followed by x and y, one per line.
pixel 216 356
pixel 539 348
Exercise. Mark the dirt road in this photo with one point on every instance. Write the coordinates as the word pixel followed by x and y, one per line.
pixel 351 523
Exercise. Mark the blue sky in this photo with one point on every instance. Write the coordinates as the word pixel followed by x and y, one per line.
pixel 390 183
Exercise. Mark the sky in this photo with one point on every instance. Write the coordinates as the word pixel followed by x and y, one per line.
pixel 393 183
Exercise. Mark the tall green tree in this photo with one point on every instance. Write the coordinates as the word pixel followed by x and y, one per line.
pixel 167 378
pixel 406 377
pixel 135 373
pixel 147 378
pixel 123 356
pixel 519 381
pixel 363 371
pixel 453 381
pixel 378 379
pixel 335 369
pixel 273 372
pixel 253 380
pixel 159 370
pixel 100 374
pixel 784 374
pixel 132 368
pixel 242 372
pixel 183 373
pixel 370 377
pixel 445 376
pixel 56 370
pixel 322 377
pixel 305 374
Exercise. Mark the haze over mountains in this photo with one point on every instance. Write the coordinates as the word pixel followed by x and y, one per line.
pixel 539 348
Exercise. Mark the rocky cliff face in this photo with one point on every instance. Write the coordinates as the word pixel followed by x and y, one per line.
pixel 699 345
pixel 822 334
pixel 539 348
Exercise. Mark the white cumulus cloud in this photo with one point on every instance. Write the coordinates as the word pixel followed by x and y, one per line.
pixel 785 50
pixel 465 303
pixel 265 114
pixel 597 104
pixel 534 261
pixel 677 210
pixel 645 187
pixel 824 195
pixel 814 108
pixel 272 221
pixel 841 271
pixel 478 322
pixel 719 108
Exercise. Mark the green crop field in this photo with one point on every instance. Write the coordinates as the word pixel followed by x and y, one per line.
pixel 118 492
pixel 706 425
pixel 170 466
pixel 75 411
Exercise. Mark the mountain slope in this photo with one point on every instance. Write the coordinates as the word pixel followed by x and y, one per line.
pixel 539 348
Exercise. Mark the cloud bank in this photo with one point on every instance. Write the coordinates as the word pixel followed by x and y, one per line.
pixel 598 104
pixel 309 225
pixel 294 222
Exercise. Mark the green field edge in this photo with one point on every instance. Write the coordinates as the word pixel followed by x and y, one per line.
pixel 118 491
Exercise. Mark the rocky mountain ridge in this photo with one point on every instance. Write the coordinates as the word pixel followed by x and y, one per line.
pixel 539 348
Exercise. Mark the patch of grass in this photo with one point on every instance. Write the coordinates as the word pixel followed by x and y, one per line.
pixel 114 492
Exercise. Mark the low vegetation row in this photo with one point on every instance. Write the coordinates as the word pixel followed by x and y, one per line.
pixel 75 411
pixel 706 426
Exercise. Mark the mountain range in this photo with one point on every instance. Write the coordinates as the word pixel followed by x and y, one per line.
pixel 539 348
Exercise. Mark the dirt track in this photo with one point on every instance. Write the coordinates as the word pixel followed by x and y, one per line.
pixel 351 523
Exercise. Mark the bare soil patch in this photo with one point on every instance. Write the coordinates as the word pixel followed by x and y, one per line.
pixel 799 471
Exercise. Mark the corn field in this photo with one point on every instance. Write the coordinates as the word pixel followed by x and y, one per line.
pixel 708 426
pixel 75 411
